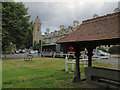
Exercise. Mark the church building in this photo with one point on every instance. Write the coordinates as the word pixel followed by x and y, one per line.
pixel 37 31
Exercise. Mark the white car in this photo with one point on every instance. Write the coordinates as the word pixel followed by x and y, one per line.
pixel 23 51
pixel 103 55
pixel 36 51
pixel 31 52
pixel 17 51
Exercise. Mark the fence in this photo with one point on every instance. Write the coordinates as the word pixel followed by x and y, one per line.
pixel 73 62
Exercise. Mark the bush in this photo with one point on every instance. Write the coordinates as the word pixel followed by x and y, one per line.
pixel 35 47
pixel 8 50
pixel 44 43
pixel 114 50
pixel 22 47
pixel 102 48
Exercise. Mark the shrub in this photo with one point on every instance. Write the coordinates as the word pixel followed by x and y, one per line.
pixel 22 47
pixel 44 43
pixel 8 49
pixel 114 50
pixel 102 48
pixel 35 47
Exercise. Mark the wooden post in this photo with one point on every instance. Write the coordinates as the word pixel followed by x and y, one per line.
pixel 72 65
pixel 66 63
pixel 90 54
pixel 77 72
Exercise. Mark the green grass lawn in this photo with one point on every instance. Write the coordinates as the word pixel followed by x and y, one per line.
pixel 39 73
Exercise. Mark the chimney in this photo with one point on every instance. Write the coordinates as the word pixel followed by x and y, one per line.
pixel 47 31
pixel 61 27
pixel 117 10
pixel 95 16
pixel 69 27
pixel 76 23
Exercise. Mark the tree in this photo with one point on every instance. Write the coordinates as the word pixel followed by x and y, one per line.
pixel 44 43
pixel 16 27
pixel 114 50
pixel 29 36
pixel 102 48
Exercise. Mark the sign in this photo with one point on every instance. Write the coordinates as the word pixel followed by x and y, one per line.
pixel 94 51
pixel 31 47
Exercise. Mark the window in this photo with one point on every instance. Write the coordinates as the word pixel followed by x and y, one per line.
pixel 38 29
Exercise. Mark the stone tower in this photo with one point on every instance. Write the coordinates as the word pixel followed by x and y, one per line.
pixel 37 31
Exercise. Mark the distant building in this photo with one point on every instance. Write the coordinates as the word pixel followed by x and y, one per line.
pixel 37 31
pixel 56 35
pixel 53 36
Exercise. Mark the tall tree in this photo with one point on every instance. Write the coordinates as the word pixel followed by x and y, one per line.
pixel 15 25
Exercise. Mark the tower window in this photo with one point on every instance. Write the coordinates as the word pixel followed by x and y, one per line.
pixel 38 29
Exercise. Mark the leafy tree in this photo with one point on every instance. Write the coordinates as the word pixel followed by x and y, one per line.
pixel 16 27
pixel 44 43
pixel 29 36
pixel 0 17
pixel 102 48
pixel 114 50
pixel 35 47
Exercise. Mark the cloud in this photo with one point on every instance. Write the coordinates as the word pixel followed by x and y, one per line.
pixel 65 0
pixel 54 14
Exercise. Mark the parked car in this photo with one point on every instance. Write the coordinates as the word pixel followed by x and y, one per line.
pixel 31 52
pixel 23 51
pixel 103 54
pixel 36 51
pixel 17 51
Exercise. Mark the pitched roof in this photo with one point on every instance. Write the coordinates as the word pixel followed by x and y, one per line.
pixel 104 27
pixel 37 20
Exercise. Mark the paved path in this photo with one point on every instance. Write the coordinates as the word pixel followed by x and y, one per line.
pixel 19 55
pixel 110 60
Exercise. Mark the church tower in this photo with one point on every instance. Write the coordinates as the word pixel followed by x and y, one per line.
pixel 36 31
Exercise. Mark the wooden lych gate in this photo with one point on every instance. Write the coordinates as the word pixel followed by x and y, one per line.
pixel 104 30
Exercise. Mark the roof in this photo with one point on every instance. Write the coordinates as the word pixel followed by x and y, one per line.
pixel 104 27
pixel 37 20
pixel 52 44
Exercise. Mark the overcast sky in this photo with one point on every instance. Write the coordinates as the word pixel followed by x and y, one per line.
pixel 54 14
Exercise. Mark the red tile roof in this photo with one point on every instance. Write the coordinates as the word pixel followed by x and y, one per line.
pixel 104 27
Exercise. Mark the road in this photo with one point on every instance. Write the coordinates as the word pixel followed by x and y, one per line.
pixel 110 60
pixel 22 55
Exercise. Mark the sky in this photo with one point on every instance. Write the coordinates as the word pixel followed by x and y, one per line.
pixel 54 13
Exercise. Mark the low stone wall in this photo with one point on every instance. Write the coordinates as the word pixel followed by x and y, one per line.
pixel 115 55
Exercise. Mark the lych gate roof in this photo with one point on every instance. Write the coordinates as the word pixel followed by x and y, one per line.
pixel 104 27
